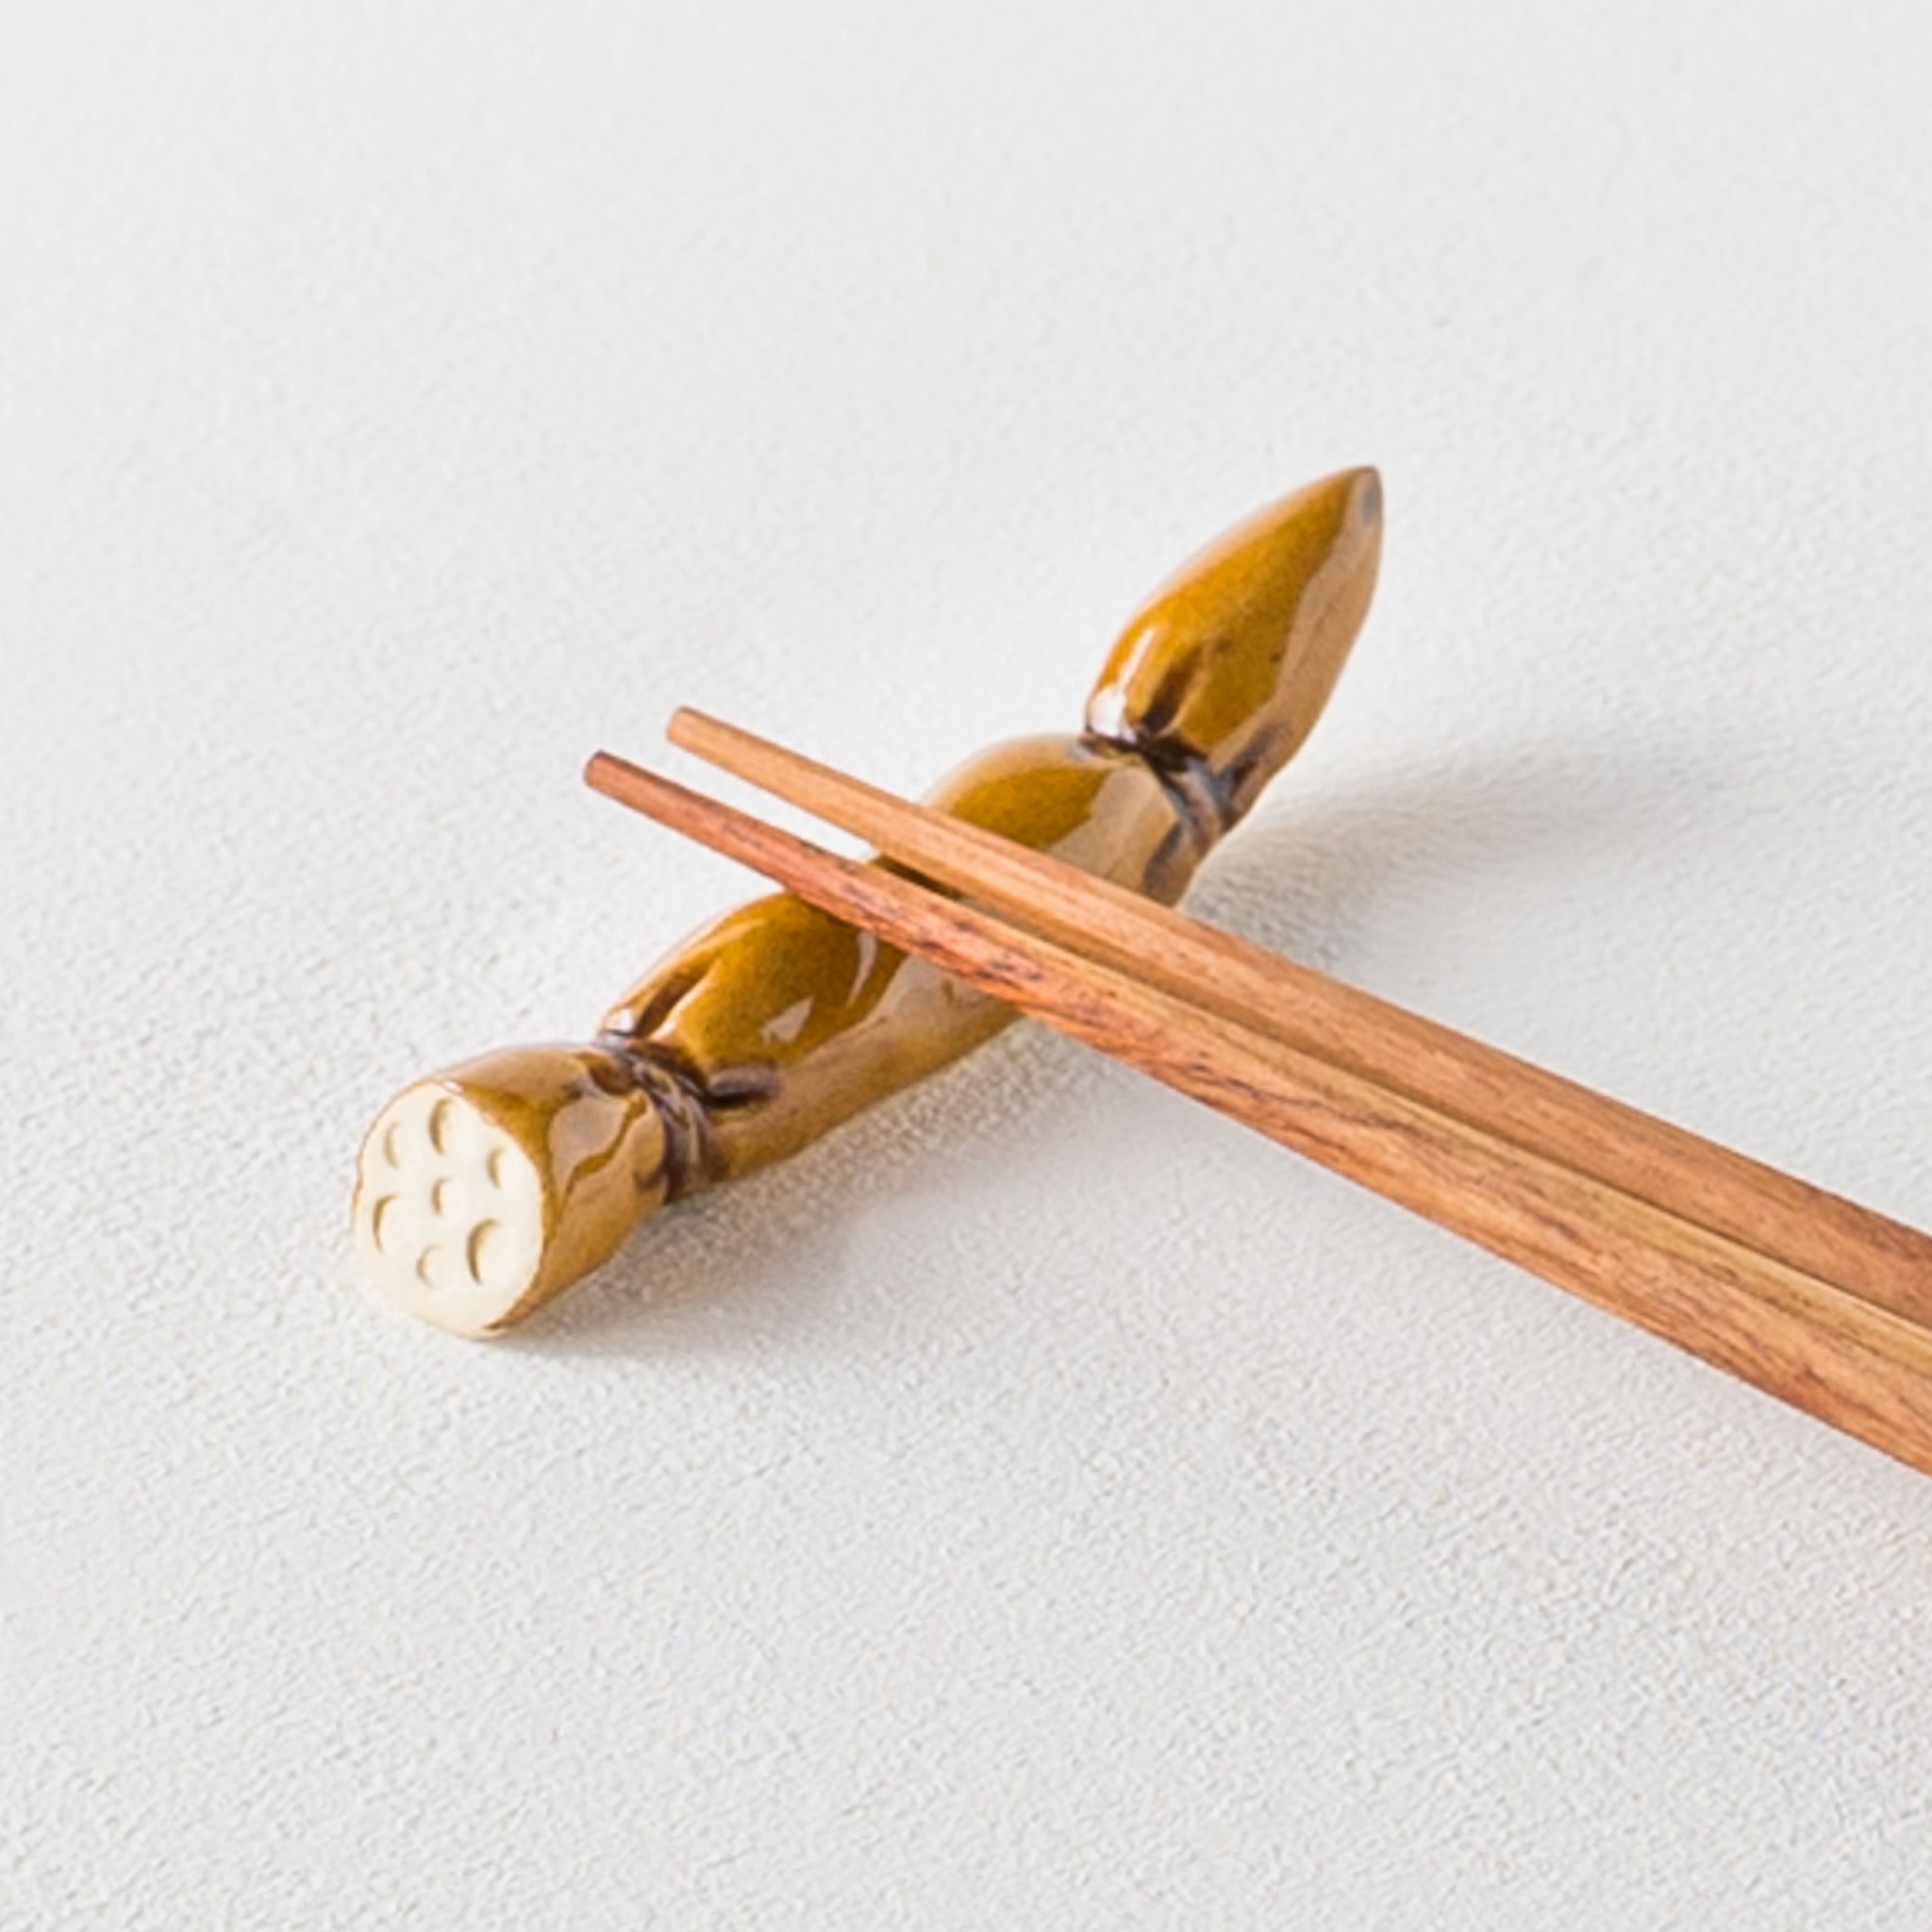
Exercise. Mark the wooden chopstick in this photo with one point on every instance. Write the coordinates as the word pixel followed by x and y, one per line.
pixel 1856 1364
pixel 1857 1249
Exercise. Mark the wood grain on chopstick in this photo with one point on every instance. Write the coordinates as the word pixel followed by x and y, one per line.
pixel 1858 1250
pixel 1856 1364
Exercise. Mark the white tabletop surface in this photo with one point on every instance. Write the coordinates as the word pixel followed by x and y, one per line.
pixel 1040 1505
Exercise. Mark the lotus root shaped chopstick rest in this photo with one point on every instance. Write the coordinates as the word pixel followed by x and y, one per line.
pixel 485 1191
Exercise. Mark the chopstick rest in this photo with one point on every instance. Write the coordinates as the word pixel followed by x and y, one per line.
pixel 484 1190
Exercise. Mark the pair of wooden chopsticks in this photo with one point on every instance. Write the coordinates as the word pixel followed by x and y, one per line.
pixel 1808 1296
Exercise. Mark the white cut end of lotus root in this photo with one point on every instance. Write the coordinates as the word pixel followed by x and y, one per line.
pixel 449 1211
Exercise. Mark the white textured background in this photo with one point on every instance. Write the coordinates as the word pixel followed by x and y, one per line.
pixel 1041 1505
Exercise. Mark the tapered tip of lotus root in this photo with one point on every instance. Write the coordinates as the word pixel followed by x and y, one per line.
pixel 1227 667
pixel 483 1192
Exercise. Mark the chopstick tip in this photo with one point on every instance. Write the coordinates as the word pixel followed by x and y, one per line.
pixel 602 769
pixel 686 728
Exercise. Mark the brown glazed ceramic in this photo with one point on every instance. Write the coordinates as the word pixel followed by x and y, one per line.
pixel 486 1190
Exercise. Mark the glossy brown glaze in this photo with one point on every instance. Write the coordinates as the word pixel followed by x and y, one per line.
pixel 793 1021
pixel 777 1021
